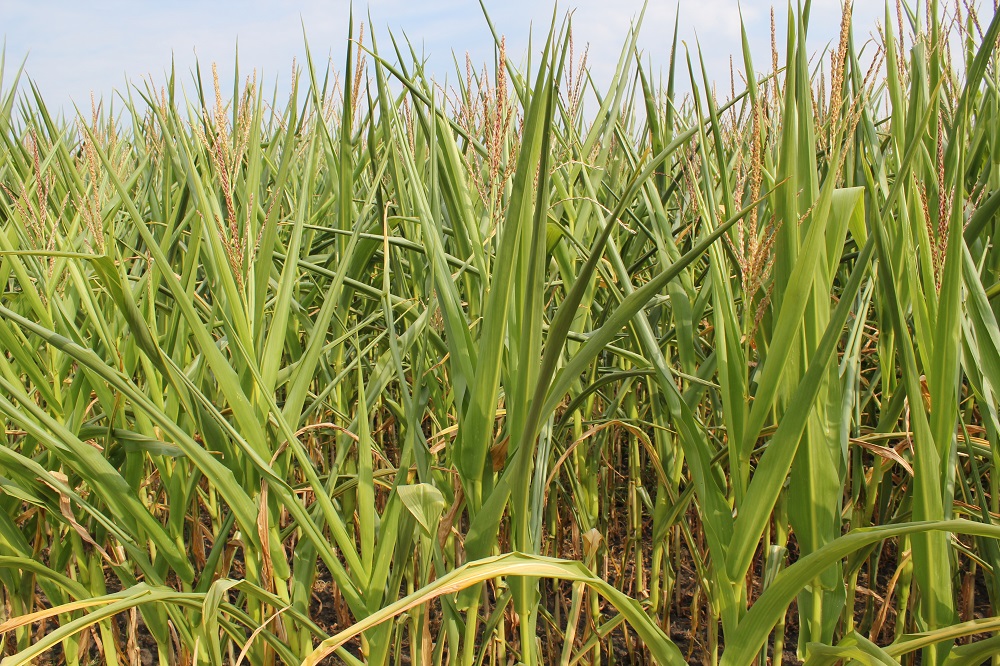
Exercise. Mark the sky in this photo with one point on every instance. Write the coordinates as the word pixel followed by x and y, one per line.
pixel 72 48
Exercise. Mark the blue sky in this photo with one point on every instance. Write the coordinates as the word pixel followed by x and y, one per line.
pixel 74 47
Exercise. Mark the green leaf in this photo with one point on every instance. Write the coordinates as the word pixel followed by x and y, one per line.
pixel 425 503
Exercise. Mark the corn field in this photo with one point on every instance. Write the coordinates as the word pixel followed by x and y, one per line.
pixel 521 370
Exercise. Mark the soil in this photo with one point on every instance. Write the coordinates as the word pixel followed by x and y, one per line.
pixel 686 627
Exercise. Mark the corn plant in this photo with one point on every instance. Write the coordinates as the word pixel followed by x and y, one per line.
pixel 521 369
